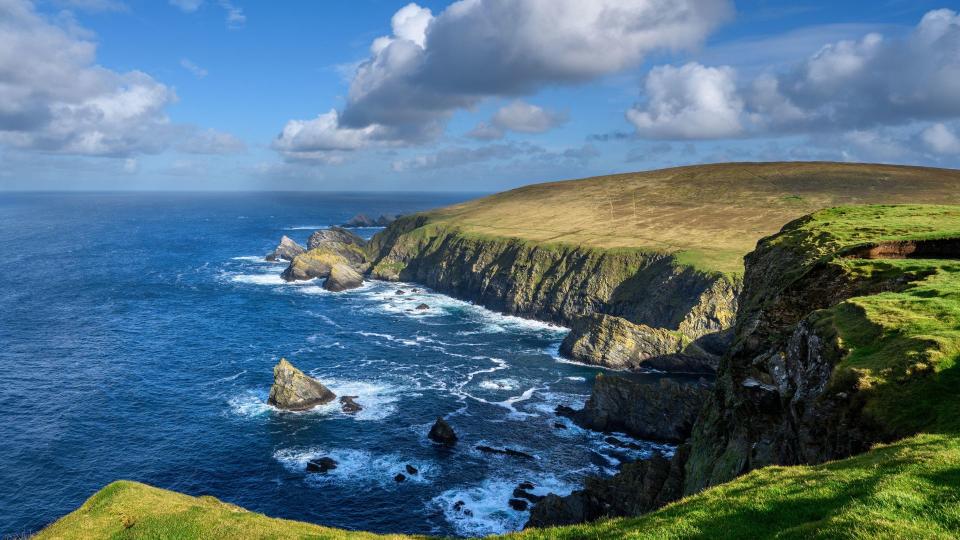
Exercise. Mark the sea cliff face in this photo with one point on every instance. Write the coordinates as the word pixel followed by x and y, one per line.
pixel 558 283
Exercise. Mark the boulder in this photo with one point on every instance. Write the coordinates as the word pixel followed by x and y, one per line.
pixel 519 505
pixel 286 250
pixel 442 433
pixel 423 307
pixel 348 405
pixel 411 469
pixel 342 278
pixel 662 411
pixel 521 493
pixel 400 477
pixel 294 391
pixel 400 292
pixel 321 465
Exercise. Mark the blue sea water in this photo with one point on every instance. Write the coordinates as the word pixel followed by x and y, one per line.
pixel 138 333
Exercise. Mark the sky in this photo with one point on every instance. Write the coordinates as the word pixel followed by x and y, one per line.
pixel 473 95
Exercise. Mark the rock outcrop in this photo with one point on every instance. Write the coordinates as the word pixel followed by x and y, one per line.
pixel 294 391
pixel 349 405
pixel 442 433
pixel 638 488
pixel 328 248
pixel 286 250
pixel 321 465
pixel 662 411
pixel 617 343
pixel 362 220
pixel 556 282
pixel 342 278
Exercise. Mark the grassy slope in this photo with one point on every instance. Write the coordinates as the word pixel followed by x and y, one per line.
pixel 711 215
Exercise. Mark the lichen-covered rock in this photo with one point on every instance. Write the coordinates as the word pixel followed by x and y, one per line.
pixel 442 433
pixel 342 278
pixel 340 241
pixel 316 263
pixel 286 250
pixel 293 390
pixel 662 411
pixel 617 343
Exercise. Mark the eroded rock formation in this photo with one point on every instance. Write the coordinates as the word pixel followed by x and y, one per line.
pixel 294 391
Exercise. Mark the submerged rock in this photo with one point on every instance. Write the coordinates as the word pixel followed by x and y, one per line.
pixel 503 451
pixel 400 477
pixel 294 391
pixel 411 469
pixel 348 405
pixel 665 411
pixel 442 433
pixel 321 465
pixel 342 278
pixel 423 307
pixel 286 250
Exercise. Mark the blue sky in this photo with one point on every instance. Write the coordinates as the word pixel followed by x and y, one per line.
pixel 479 95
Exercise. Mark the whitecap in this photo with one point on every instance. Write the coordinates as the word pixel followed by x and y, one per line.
pixel 258 279
pixel 500 384
pixel 485 508
pixel 578 379
pixel 355 466
pixel 306 228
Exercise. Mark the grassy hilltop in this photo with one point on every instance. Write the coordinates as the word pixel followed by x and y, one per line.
pixel 710 215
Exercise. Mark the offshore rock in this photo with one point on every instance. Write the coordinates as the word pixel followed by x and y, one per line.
pixel 326 249
pixel 286 250
pixel 664 411
pixel 504 451
pixel 321 465
pixel 442 433
pixel 360 220
pixel 342 278
pixel 294 391
pixel 348 405
pixel 316 263
pixel 617 343
pixel 638 488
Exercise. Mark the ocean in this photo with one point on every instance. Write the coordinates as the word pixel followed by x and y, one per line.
pixel 138 332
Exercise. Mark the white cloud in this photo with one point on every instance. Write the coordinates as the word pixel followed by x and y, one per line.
pixel 517 116
pixel 235 17
pixel 432 65
pixel 187 6
pixel 321 139
pixel 197 71
pixel 211 141
pixel 499 152
pixel 940 139
pixel 689 102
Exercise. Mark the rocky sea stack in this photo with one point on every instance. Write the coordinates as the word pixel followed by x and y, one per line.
pixel 286 250
pixel 342 278
pixel 442 433
pixel 326 249
pixel 294 391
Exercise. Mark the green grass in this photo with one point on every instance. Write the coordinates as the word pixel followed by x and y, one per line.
pixel 709 215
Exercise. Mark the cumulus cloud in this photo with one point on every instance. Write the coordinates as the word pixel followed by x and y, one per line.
pixel 432 65
pixel 849 85
pixel 692 101
pixel 518 116
pixel 458 156
pixel 55 99
pixel 940 139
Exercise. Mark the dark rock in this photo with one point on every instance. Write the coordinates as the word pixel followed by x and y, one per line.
pixel 458 505
pixel 286 250
pixel 292 390
pixel 526 485
pixel 411 469
pixel 386 219
pixel 520 493
pixel 348 405
pixel 342 278
pixel 504 451
pixel 422 307
pixel 560 425
pixel 400 477
pixel 400 291
pixel 442 433
pixel 519 505
pixel 360 220
pixel 414 290
pixel 664 411
pixel 467 512
pixel 638 488
pixel 321 465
